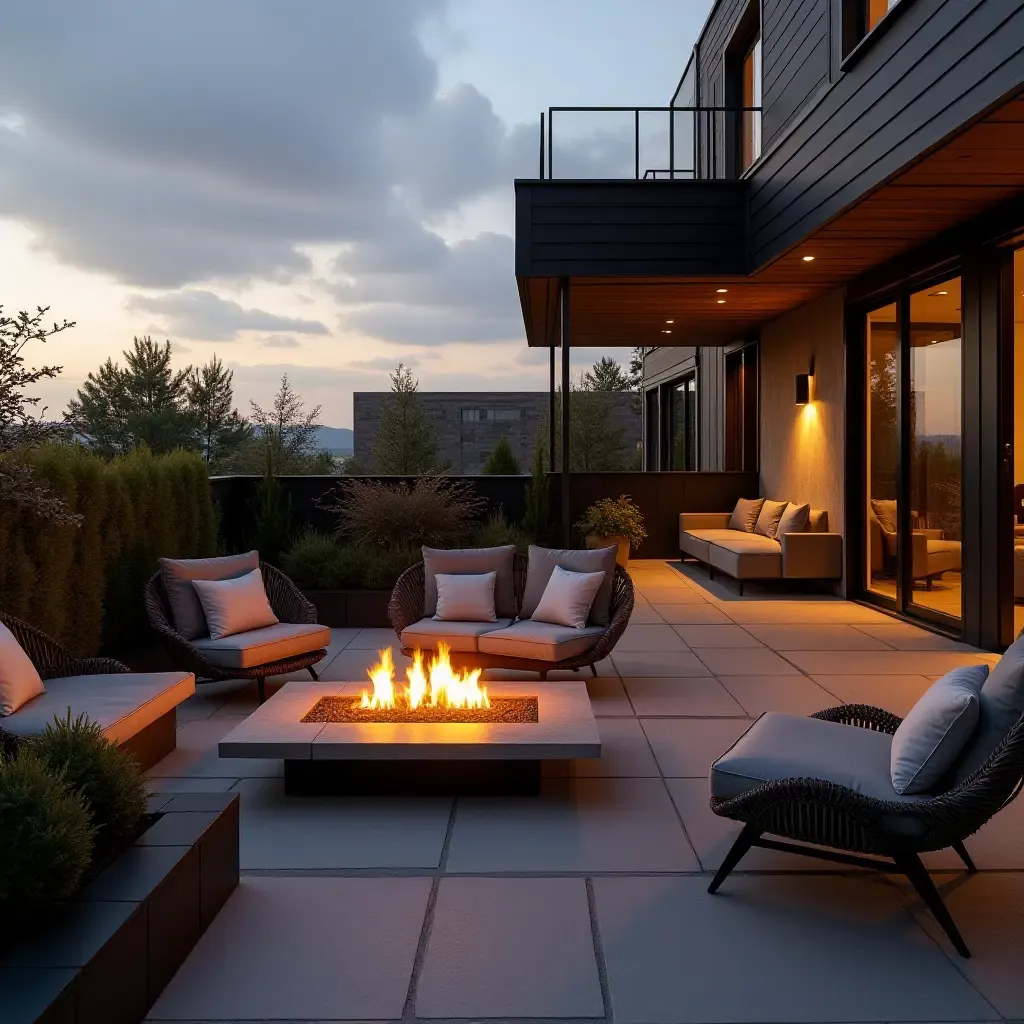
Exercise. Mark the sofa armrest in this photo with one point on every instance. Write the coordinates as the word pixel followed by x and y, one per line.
pixel 930 534
pixel 703 521
pixel 814 556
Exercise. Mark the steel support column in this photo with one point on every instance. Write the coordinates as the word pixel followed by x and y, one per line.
pixel 551 415
pixel 566 518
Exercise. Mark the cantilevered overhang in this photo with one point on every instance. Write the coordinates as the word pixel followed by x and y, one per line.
pixel 613 241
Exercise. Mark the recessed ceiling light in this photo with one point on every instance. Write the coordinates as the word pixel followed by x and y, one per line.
pixel 721 301
pixel 942 292
pixel 808 259
pixel 670 321
pixel 722 291
pixel 666 332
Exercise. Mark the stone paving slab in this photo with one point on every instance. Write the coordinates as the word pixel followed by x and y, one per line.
pixel 695 697
pixel 686 747
pixel 577 826
pixel 510 947
pixel 795 695
pixel 303 948
pixel 799 948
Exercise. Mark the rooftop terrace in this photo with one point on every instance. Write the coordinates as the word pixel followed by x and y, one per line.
pixel 590 901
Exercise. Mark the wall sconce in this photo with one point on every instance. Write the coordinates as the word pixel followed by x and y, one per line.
pixel 804 388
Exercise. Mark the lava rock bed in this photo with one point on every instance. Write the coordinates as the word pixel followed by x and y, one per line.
pixel 514 710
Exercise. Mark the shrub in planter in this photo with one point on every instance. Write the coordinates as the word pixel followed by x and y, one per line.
pixel 613 521
pixel 497 530
pixel 10 744
pixel 316 562
pixel 383 567
pixel 46 842
pixel 107 777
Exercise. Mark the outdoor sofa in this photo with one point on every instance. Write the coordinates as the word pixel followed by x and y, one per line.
pixel 295 643
pixel 732 543
pixel 135 709
pixel 931 553
pixel 513 640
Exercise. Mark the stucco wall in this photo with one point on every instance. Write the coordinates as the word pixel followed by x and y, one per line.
pixel 802 447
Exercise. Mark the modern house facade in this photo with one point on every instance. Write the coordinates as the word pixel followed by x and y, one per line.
pixel 468 424
pixel 827 271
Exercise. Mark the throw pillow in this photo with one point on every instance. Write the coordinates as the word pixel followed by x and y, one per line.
pixel 466 597
pixel 745 514
pixel 931 738
pixel 19 680
pixel 1001 704
pixel 768 518
pixel 567 598
pixel 235 606
pixel 473 562
pixel 794 520
pixel 542 562
pixel 885 513
pixel 178 574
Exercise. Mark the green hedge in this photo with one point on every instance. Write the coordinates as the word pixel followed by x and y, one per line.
pixel 84 585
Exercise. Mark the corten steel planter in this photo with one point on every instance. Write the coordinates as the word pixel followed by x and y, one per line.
pixel 621 544
pixel 360 609
pixel 109 957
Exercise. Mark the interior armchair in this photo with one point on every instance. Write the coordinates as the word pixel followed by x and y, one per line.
pixel 931 553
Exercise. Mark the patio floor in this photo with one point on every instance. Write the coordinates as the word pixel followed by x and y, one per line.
pixel 590 901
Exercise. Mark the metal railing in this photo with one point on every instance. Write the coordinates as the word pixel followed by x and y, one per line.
pixel 646 143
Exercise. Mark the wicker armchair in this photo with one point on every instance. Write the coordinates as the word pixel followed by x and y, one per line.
pixel 850 823
pixel 285 599
pixel 51 658
pixel 406 607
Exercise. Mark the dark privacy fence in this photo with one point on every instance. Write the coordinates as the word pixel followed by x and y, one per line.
pixel 660 496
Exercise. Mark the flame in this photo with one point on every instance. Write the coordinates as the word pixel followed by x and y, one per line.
pixel 435 683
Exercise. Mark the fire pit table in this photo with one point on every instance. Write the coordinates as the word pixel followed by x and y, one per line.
pixel 333 740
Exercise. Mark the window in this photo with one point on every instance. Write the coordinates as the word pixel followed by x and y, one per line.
pixel 494 415
pixel 741 441
pixel 682 450
pixel 861 18
pixel 751 144
pixel 876 11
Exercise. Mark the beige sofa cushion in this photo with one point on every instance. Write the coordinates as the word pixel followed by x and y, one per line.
pixel 540 641
pixel 471 562
pixel 542 564
pixel 698 542
pixel 794 520
pixel 768 518
pixel 744 515
pixel 123 703
pixel 262 646
pixel 235 606
pixel 459 636
pixel 178 574
pixel 749 557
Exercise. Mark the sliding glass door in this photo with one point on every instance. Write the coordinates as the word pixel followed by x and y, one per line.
pixel 913 453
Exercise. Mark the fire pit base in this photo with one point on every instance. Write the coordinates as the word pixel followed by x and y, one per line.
pixel 412 778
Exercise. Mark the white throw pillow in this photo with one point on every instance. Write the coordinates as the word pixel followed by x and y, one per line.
pixel 235 606
pixel 932 737
pixel 19 680
pixel 567 598
pixel 466 597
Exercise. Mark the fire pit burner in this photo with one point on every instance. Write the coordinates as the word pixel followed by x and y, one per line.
pixel 351 709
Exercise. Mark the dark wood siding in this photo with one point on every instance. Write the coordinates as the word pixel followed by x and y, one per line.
pixel 570 228
pixel 711 78
pixel 941 64
pixel 795 60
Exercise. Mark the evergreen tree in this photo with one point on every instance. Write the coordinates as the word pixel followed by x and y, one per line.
pixel 406 443
pixel 605 375
pixel 597 444
pixel 209 397
pixel 635 375
pixel 144 403
pixel 285 438
pixel 501 461
pixel 536 521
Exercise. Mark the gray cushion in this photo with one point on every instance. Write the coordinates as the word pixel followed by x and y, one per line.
pixel 460 636
pixel 933 735
pixel 885 513
pixel 542 563
pixel 123 703
pixel 178 573
pixel 262 646
pixel 768 518
pixel 471 561
pixel 1001 703
pixel 744 515
pixel 794 519
pixel 540 641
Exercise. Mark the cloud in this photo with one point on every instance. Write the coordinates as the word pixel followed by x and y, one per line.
pixel 204 316
pixel 281 341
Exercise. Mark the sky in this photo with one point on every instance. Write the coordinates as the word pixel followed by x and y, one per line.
pixel 320 187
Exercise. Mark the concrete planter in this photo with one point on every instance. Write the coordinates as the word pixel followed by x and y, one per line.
pixel 130 929
pixel 622 543
pixel 360 609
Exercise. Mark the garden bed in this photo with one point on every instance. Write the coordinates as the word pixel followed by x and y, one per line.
pixel 128 931
pixel 359 609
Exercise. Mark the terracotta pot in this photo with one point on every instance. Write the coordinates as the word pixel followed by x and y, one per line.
pixel 622 543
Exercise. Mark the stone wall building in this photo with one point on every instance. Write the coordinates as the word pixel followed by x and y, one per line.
pixel 470 423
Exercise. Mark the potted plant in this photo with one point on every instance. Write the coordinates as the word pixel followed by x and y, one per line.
pixel 615 521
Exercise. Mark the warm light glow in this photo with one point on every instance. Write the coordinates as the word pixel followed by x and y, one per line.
pixel 670 321
pixel 666 332
pixel 721 301
pixel 435 683
pixel 808 259
pixel 722 291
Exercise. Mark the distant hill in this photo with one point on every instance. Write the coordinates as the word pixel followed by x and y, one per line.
pixel 337 440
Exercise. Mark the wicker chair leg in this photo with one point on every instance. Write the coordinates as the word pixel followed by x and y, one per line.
pixel 593 669
pixel 261 689
pixel 744 841
pixel 962 853
pixel 544 675
pixel 910 864
pixel 312 672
